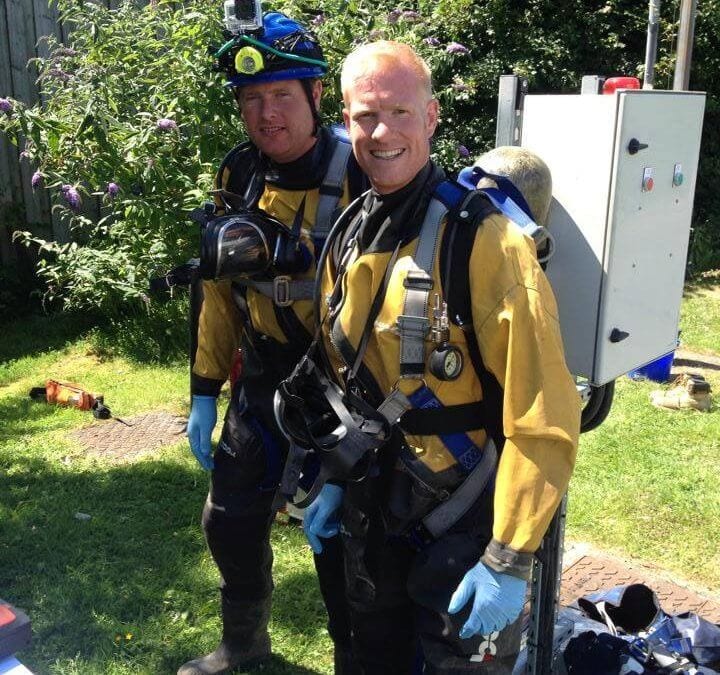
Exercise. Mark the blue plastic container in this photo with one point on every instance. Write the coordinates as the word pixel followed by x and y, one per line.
pixel 657 370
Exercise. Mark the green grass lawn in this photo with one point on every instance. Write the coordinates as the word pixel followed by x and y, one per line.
pixel 645 483
pixel 133 590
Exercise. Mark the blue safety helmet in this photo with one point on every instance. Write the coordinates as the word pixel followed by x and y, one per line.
pixel 282 50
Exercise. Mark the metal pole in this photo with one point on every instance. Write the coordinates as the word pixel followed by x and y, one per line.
pixel 686 34
pixel 511 92
pixel 651 48
pixel 545 596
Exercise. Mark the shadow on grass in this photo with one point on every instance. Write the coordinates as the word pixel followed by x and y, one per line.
pixel 29 335
pixel 156 335
pixel 21 416
pixel 97 554
pixel 703 284
pixel 294 608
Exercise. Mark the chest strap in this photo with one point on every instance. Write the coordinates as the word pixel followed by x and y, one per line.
pixel 283 290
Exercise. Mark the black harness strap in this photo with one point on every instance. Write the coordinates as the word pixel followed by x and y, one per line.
pixel 455 251
pixel 449 512
pixel 447 420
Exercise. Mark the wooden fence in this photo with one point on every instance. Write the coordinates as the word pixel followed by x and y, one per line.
pixel 22 25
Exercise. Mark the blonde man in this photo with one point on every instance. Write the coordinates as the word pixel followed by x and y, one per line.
pixel 503 382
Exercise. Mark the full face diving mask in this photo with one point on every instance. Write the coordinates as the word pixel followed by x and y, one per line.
pixel 251 243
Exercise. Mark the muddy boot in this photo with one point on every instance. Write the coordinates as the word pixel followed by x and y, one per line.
pixel 688 391
pixel 245 641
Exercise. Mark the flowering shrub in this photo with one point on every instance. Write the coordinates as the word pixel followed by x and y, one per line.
pixel 126 144
pixel 135 121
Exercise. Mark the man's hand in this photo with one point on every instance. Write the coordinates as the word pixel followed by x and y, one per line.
pixel 322 517
pixel 498 601
pixel 203 416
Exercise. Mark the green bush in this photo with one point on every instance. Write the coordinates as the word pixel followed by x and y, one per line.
pixel 132 101
pixel 126 143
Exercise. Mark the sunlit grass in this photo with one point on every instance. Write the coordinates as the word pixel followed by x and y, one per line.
pixel 133 590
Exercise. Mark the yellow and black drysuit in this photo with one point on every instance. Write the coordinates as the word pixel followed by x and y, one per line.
pixel 399 580
pixel 270 334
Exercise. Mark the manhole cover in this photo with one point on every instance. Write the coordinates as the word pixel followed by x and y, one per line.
pixel 593 573
pixel 133 436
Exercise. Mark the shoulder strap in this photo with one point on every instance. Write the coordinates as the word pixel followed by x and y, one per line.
pixel 413 324
pixel 471 176
pixel 509 201
pixel 331 189
pixel 457 245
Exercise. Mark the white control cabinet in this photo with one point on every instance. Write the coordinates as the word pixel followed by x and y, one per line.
pixel 624 168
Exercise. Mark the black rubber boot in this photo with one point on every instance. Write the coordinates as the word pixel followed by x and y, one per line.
pixel 245 642
pixel 345 662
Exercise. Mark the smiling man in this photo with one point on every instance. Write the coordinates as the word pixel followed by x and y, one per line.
pixel 391 119
pixel 483 413
pixel 300 173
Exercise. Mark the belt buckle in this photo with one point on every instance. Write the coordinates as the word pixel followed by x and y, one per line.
pixel 281 291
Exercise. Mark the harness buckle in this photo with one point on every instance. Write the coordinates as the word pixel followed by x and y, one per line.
pixel 281 291
pixel 418 280
pixel 413 326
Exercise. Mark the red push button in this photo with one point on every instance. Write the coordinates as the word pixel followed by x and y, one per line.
pixel 648 181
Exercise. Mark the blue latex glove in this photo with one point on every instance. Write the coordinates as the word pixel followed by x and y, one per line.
pixel 203 416
pixel 322 517
pixel 499 599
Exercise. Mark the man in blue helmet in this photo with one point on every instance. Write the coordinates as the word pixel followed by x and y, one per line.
pixel 302 174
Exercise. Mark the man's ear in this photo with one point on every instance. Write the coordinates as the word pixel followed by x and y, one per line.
pixel 346 118
pixel 433 112
pixel 236 96
pixel 317 88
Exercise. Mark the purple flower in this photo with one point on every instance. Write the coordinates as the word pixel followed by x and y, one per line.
pixel 460 86
pixel 318 20
pixel 36 180
pixel 393 17
pixel 25 155
pixel 463 151
pixel 410 16
pixel 6 105
pixel 58 74
pixel 456 48
pixel 112 189
pixel 432 41
pixel 71 195
pixel 64 51
pixel 165 124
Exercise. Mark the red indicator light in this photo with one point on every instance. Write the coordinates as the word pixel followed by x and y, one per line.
pixel 612 84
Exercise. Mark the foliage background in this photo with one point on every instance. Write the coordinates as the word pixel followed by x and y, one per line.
pixel 126 70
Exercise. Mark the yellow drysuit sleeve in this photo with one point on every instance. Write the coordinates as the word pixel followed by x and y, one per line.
pixel 515 318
